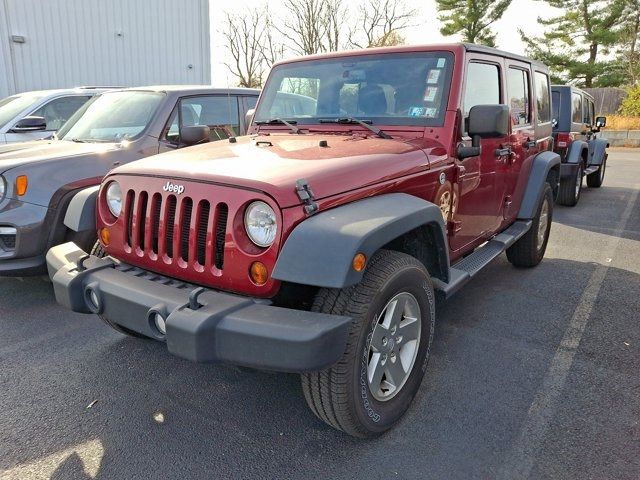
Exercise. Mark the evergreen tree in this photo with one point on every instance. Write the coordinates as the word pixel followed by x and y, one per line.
pixel 574 41
pixel 471 18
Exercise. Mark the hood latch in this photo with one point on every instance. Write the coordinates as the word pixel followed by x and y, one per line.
pixel 305 194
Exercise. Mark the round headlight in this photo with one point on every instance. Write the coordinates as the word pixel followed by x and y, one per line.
pixel 114 199
pixel 260 224
pixel 3 187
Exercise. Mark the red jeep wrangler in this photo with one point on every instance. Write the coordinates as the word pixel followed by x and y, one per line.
pixel 315 244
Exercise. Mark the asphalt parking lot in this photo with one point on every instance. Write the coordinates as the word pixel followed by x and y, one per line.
pixel 534 374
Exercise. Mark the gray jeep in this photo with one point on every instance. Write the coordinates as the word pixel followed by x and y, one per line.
pixel 39 179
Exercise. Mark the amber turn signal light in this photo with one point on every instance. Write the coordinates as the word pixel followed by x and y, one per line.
pixel 258 273
pixel 22 182
pixel 359 262
pixel 105 236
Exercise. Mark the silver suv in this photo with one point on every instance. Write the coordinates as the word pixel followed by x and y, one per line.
pixel 35 115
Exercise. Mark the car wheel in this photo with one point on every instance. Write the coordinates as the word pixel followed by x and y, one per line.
pixel 570 188
pixel 595 179
pixel 98 251
pixel 393 310
pixel 529 250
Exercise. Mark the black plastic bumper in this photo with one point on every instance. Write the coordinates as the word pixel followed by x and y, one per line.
pixel 201 325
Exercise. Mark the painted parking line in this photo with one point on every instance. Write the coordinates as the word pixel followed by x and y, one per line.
pixel 522 457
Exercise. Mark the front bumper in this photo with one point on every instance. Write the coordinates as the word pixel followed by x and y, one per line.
pixel 202 325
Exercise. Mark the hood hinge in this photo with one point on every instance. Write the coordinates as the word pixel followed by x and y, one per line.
pixel 305 194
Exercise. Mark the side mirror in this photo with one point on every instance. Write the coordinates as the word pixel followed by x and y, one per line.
pixel 485 121
pixel 195 134
pixel 248 117
pixel 601 122
pixel 30 124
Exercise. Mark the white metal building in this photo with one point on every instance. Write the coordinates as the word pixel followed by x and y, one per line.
pixel 68 43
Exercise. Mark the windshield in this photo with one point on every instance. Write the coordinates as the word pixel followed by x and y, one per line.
pixel 112 117
pixel 12 106
pixel 387 89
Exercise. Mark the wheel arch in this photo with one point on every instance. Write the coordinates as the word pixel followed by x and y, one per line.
pixel 545 169
pixel 320 250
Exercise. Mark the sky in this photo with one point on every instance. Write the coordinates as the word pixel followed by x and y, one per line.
pixel 521 14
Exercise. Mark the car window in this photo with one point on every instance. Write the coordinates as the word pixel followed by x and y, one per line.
pixel 543 99
pixel 519 101
pixel 58 111
pixel 482 86
pixel 12 106
pixel 251 102
pixel 220 113
pixel 576 108
pixel 556 105
pixel 588 112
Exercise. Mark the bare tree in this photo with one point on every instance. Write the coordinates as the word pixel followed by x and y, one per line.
pixel 380 23
pixel 313 26
pixel 245 35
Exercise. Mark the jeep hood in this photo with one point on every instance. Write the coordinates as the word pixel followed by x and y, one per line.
pixel 273 163
pixel 20 154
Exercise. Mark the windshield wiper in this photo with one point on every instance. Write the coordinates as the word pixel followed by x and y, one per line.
pixel 364 123
pixel 279 121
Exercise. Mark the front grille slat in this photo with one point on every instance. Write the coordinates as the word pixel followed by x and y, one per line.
pixel 176 229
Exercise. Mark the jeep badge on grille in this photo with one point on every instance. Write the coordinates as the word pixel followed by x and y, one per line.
pixel 173 188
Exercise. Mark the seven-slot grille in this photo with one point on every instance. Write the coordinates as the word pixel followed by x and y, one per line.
pixel 180 228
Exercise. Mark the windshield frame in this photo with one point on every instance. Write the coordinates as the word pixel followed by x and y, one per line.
pixel 274 79
pixel 68 126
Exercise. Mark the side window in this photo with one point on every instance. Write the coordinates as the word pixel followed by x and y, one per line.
pixel 543 100
pixel 482 86
pixel 59 110
pixel 251 102
pixel 519 98
pixel 556 105
pixel 219 113
pixel 588 112
pixel 576 108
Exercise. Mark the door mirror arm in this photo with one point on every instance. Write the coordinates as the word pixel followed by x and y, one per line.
pixel 473 151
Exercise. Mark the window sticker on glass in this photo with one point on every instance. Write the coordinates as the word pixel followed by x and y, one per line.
pixel 434 76
pixel 430 94
pixel 431 112
pixel 442 62
pixel 417 111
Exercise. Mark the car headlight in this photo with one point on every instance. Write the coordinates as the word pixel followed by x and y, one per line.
pixel 3 187
pixel 260 224
pixel 114 199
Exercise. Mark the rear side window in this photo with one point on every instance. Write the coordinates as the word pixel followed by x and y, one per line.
pixel 543 99
pixel 519 102
pixel 58 111
pixel 555 96
pixel 576 108
pixel 482 86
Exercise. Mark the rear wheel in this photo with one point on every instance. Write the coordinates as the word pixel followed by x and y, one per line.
pixel 393 310
pixel 595 179
pixel 529 250
pixel 98 251
pixel 570 188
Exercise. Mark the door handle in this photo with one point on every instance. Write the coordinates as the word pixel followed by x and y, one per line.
pixel 503 152
pixel 530 144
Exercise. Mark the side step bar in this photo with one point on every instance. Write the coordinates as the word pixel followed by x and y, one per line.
pixel 591 169
pixel 464 270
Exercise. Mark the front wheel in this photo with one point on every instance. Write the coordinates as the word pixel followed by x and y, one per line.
pixel 595 179
pixel 393 310
pixel 529 250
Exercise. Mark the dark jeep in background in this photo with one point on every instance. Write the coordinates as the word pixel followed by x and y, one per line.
pixel 576 140
pixel 39 179
pixel 318 244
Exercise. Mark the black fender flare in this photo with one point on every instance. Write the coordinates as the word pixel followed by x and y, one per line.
pixel 320 250
pixel 543 164
pixel 597 150
pixel 81 212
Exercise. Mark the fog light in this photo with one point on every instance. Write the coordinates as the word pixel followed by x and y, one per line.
pixel 258 273
pixel 105 236
pixel 160 323
pixel 92 299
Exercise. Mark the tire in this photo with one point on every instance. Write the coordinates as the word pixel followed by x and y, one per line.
pixel 99 252
pixel 342 395
pixel 529 250
pixel 595 179
pixel 570 188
